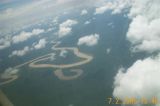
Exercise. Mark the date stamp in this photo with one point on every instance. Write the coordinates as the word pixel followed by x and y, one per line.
pixel 132 101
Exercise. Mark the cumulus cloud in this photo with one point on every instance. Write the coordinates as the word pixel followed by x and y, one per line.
pixel 50 29
pixel 41 44
pixel 84 12
pixel 116 6
pixel 63 53
pixel 53 57
pixel 144 31
pixel 35 46
pixel 108 50
pixel 111 25
pixel 87 22
pixel 20 53
pixel 23 36
pixel 101 10
pixel 140 80
pixel 8 73
pixel 4 43
pixel 65 28
pixel 89 40
pixel 55 20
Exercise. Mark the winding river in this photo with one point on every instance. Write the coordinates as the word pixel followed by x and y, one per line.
pixel 59 68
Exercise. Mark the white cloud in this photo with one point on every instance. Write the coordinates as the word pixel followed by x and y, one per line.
pixel 37 31
pixel 65 28
pixel 71 105
pixel 20 53
pixel 111 25
pixel 4 43
pixel 89 40
pixel 108 50
pixel 144 31
pixel 102 9
pixel 84 12
pixel 8 73
pixel 64 31
pixel 23 36
pixel 140 80
pixel 87 22
pixel 55 20
pixel 50 29
pixel 41 44
pixel 116 6
pixel 53 57
pixel 63 53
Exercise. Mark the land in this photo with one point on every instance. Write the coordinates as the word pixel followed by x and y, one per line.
pixel 4 101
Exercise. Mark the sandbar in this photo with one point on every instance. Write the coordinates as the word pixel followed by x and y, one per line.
pixel 60 75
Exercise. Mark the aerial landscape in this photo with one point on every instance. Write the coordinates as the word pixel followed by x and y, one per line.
pixel 79 53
